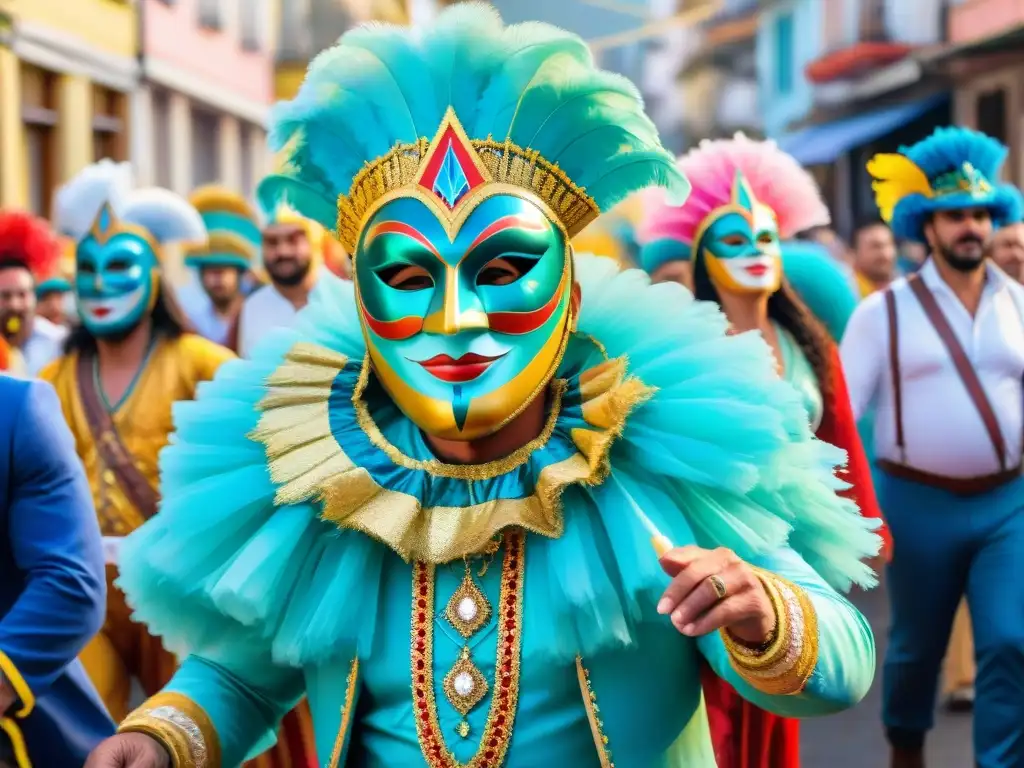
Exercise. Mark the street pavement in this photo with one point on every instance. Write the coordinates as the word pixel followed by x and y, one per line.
pixel 855 739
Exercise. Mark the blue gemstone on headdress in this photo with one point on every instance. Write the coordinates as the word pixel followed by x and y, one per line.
pixel 451 183
pixel 104 220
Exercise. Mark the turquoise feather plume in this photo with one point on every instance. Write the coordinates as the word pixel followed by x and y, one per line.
pixel 462 51
pixel 633 170
pixel 398 55
pixel 531 83
pixel 509 85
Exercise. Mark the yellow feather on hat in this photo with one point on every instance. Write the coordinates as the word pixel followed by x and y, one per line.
pixel 896 176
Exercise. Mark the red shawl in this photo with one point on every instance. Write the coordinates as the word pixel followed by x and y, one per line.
pixel 743 735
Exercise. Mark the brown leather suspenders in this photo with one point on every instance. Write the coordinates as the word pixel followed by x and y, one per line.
pixel 960 361
pixel 894 369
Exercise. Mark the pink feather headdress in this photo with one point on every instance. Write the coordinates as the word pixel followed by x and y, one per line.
pixel 776 179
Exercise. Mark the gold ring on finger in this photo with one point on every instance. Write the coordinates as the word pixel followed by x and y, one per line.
pixel 719 586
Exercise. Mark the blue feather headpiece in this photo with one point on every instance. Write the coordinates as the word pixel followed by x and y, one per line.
pixel 952 168
pixel 443 113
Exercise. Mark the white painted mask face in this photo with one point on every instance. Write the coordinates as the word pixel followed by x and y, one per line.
pixel 740 245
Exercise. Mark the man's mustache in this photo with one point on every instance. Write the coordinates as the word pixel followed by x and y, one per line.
pixel 970 239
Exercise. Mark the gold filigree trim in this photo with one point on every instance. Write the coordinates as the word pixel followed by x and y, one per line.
pixel 468 592
pixel 505 163
pixel 307 464
pixel 181 725
pixel 785 666
pixel 594 715
pixel 463 701
pixel 486 471
pixel 497 732
pixel 351 682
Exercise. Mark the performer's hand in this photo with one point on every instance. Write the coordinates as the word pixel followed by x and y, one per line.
pixel 697 608
pixel 129 750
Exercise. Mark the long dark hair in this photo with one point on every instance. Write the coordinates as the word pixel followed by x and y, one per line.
pixel 168 319
pixel 785 308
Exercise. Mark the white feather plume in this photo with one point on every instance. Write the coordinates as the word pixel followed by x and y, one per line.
pixel 167 216
pixel 77 203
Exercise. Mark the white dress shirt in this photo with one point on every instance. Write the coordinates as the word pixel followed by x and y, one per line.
pixel 943 432
pixel 263 311
pixel 44 345
pixel 210 324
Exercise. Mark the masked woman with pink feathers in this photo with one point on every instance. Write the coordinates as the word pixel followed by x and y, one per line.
pixel 747 196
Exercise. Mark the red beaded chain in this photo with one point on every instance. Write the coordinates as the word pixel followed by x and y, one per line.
pixel 505 697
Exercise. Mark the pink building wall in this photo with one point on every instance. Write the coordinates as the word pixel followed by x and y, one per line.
pixel 977 19
pixel 172 33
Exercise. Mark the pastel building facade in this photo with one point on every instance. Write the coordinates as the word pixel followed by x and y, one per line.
pixel 66 72
pixel 207 84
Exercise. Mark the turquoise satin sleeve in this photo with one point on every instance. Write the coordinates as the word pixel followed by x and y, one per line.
pixel 799 372
pixel 244 703
pixel 845 664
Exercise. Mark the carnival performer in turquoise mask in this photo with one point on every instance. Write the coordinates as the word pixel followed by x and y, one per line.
pixel 125 366
pixel 436 505
pixel 748 195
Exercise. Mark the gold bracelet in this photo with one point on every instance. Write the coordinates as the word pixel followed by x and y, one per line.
pixel 181 726
pixel 785 665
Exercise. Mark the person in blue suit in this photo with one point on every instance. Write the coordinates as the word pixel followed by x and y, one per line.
pixel 52 586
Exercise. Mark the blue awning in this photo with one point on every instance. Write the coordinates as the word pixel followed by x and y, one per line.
pixel 819 144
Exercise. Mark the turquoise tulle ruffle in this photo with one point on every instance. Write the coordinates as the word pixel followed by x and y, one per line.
pixel 720 455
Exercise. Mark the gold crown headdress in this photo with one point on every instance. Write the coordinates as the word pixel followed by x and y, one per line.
pixel 449 173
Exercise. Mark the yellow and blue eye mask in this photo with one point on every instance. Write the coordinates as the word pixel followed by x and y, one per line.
pixel 739 244
pixel 116 276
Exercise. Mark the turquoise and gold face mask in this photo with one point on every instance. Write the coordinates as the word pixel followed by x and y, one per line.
pixel 465 316
pixel 116 276
pixel 739 243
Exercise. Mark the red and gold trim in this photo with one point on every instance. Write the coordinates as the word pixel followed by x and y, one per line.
pixel 785 664
pixel 497 731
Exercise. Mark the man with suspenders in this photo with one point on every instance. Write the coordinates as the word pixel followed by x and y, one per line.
pixel 941 356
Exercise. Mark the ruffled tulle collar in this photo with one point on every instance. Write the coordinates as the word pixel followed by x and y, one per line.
pixel 331 433
pixel 718 454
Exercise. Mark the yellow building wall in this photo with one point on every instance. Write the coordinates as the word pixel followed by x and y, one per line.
pixel 105 24
pixel 12 155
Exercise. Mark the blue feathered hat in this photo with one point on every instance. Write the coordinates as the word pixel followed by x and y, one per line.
pixel 952 168
pixel 820 283
pixel 463 102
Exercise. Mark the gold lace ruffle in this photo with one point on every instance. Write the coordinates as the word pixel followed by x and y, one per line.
pixel 307 463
